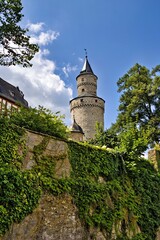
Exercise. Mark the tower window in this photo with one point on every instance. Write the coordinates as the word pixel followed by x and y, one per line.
pixel 82 79
pixel 81 100
pixel 96 100
pixel 82 89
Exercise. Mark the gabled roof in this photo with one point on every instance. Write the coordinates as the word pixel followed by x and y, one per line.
pixel 86 67
pixel 12 93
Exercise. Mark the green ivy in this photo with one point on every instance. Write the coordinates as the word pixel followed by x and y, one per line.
pixel 110 190
pixel 146 182
pixel 19 194
pixel 10 142
pixel 45 169
pixel 19 191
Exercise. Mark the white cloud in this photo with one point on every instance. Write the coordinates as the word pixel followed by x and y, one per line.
pixel 35 27
pixel 39 36
pixel 40 84
pixel 80 59
pixel 44 37
pixel 68 68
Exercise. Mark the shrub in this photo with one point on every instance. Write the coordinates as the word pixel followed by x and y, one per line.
pixel 40 120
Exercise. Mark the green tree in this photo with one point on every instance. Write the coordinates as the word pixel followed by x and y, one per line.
pixel 15 47
pixel 107 138
pixel 132 140
pixel 138 121
pixel 140 101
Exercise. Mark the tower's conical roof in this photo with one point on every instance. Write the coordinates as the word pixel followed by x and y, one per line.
pixel 75 127
pixel 86 67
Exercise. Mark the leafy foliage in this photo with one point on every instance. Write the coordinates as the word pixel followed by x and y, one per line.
pixel 140 100
pixel 107 138
pixel 19 194
pixel 45 169
pixel 10 142
pixel 138 122
pixel 41 120
pixel 15 45
pixel 146 182
pixel 19 191
pixel 113 192
pixel 132 140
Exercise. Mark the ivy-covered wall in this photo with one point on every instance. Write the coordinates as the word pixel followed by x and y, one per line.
pixel 111 195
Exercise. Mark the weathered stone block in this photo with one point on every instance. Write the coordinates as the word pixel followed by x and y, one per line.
pixel 55 219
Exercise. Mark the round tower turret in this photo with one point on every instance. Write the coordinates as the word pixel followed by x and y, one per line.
pixel 86 80
pixel 87 107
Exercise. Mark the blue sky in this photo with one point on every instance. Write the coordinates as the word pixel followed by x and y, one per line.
pixel 116 33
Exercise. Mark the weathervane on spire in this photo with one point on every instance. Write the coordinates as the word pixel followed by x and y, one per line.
pixel 85 52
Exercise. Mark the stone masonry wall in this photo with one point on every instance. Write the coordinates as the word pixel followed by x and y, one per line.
pixel 55 218
pixel 88 82
pixel 87 111
pixel 154 157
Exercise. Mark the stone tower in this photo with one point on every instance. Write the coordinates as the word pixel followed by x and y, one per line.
pixel 87 108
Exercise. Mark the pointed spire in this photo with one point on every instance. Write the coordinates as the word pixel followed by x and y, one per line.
pixel 86 67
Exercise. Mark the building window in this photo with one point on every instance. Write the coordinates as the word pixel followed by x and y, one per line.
pixel 12 93
pixel 82 89
pixel 96 100
pixel 82 79
pixel 81 100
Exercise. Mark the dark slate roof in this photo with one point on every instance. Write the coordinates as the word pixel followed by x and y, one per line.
pixel 86 67
pixel 11 93
pixel 76 128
